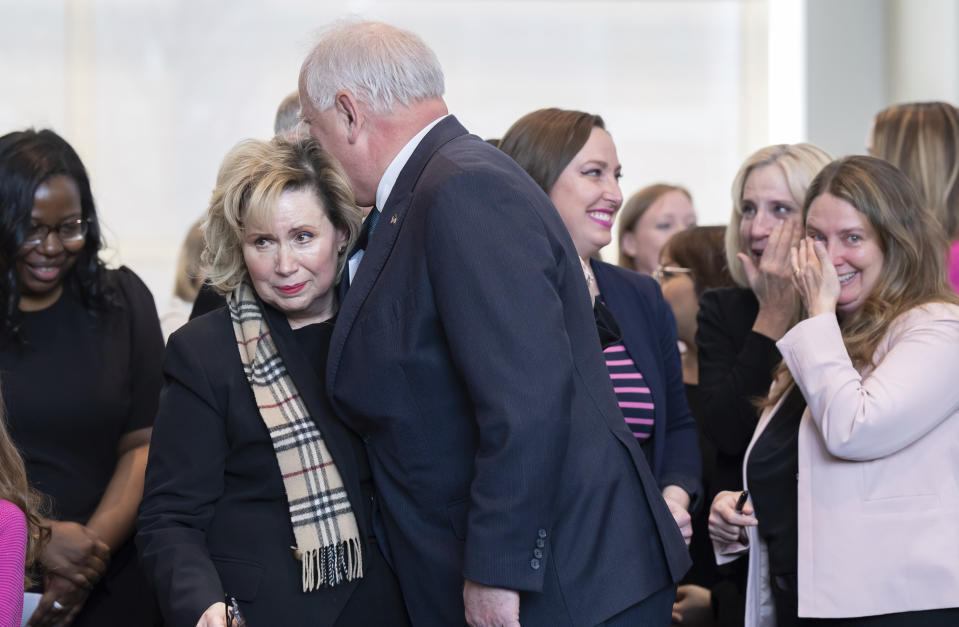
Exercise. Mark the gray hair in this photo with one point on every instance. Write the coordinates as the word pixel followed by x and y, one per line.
pixel 287 114
pixel 378 63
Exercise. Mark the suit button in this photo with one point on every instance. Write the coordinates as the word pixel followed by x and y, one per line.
pixel 541 533
pixel 534 564
pixel 540 543
pixel 537 554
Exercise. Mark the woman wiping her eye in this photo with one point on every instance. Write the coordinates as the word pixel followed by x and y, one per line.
pixel 852 513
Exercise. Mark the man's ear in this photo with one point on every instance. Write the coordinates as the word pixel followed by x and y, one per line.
pixel 349 112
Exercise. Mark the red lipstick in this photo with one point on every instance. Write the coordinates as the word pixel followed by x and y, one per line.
pixel 291 289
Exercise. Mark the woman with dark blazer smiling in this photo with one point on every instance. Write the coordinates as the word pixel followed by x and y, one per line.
pixel 572 157
pixel 254 491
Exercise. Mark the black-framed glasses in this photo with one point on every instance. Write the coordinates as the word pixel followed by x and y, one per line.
pixel 68 232
pixel 663 273
pixel 234 617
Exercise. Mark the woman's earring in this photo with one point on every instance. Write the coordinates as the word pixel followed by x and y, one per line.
pixel 342 249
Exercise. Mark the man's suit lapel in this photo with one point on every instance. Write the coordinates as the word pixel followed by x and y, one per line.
pixel 381 244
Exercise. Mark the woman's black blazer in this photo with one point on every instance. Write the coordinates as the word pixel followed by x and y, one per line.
pixel 214 516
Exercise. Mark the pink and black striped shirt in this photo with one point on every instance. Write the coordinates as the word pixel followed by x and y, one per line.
pixel 632 393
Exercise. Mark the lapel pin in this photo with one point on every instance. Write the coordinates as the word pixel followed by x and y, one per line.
pixel 393 219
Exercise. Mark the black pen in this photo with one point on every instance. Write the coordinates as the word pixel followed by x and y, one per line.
pixel 742 501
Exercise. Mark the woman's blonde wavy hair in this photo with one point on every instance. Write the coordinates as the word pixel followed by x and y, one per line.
pixel 251 179
pixel 799 164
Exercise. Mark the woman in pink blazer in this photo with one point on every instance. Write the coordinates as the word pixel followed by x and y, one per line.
pixel 853 472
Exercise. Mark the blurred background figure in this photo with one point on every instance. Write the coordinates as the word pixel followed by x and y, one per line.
pixel 854 518
pixel 287 114
pixel 691 262
pixel 22 532
pixel 189 278
pixel 228 490
pixel 649 218
pixel 573 159
pixel 922 140
pixel 81 350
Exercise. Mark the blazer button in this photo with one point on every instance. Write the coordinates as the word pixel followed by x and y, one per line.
pixel 534 564
pixel 540 543
pixel 537 554
pixel 541 533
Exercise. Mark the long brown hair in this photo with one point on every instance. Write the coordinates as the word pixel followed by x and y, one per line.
pixel 922 140
pixel 15 489
pixel 913 245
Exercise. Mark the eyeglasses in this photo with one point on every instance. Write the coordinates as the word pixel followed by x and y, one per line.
pixel 663 273
pixel 234 618
pixel 68 232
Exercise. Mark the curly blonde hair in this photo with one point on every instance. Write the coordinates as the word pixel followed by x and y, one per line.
pixel 252 177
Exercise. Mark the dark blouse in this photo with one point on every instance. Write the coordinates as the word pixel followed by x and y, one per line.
pixel 771 473
pixel 314 340
pixel 73 387
pixel 735 366
pixel 76 384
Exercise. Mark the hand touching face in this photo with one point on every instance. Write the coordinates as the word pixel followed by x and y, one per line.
pixel 841 260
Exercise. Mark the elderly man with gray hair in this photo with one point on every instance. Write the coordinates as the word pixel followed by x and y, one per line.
pixel 466 355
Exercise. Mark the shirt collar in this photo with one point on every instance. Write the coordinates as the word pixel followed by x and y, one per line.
pixel 388 180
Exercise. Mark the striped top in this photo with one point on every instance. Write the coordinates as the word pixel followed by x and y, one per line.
pixel 633 395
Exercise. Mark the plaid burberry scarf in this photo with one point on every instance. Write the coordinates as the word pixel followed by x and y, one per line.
pixel 327 536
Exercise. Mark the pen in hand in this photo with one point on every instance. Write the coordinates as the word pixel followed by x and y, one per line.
pixel 742 501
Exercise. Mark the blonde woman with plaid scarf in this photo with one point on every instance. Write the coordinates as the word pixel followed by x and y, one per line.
pixel 256 497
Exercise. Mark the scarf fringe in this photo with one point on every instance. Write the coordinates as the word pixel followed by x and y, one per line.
pixel 328 566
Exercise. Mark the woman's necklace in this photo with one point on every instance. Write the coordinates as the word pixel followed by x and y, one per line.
pixel 588 272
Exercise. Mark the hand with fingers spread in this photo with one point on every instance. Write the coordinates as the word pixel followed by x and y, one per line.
pixel 726 524
pixel 771 280
pixel 815 277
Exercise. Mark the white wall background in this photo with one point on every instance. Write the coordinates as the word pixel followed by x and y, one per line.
pixel 152 93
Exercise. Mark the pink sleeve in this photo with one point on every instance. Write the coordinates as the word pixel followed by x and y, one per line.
pixel 13 547
pixel 954 265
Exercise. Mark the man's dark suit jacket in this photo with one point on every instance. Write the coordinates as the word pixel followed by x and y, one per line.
pixel 648 331
pixel 214 516
pixel 466 354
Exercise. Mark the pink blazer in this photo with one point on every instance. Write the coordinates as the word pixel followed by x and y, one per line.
pixel 878 472
pixel 13 546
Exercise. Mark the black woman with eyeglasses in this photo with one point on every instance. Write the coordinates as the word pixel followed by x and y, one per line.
pixel 80 359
